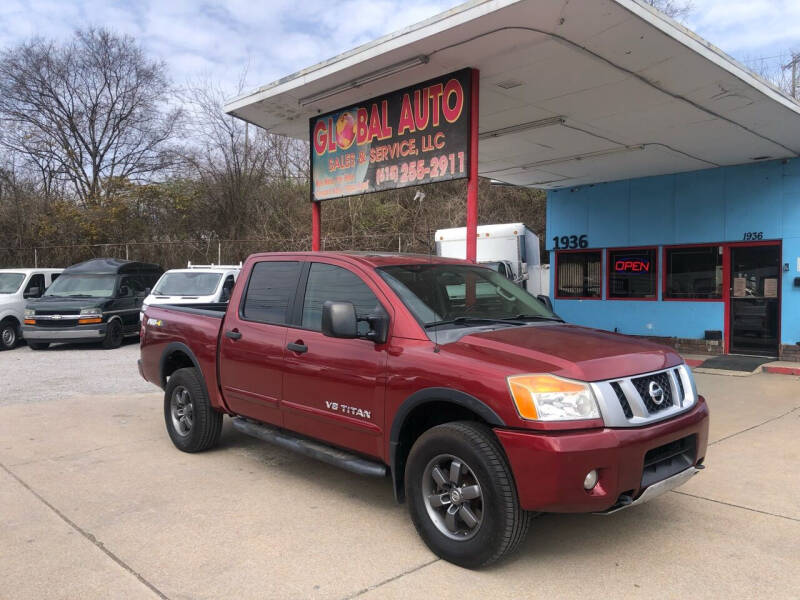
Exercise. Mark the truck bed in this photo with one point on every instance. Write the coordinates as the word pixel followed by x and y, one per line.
pixel 175 326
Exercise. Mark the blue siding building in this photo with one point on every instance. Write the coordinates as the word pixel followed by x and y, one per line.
pixel 707 260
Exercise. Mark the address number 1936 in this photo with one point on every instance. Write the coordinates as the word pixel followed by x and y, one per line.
pixel 566 242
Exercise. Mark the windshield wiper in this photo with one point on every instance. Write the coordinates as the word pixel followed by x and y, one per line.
pixel 470 320
pixel 535 318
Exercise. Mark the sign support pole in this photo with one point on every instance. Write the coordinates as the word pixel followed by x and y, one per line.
pixel 472 181
pixel 316 226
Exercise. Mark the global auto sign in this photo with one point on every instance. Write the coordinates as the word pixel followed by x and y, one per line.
pixel 412 136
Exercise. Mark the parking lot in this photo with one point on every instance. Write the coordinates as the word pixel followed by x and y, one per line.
pixel 95 502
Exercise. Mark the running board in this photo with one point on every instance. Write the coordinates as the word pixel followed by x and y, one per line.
pixel 327 454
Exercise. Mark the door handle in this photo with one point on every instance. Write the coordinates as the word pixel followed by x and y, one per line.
pixel 234 335
pixel 298 347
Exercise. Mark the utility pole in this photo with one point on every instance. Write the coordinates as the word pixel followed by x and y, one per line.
pixel 794 65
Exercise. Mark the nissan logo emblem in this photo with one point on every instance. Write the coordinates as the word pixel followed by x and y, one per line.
pixel 656 393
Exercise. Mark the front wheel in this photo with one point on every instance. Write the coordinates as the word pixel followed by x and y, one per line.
pixel 461 495
pixel 192 423
pixel 113 337
pixel 9 334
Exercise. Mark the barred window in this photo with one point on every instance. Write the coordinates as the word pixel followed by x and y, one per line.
pixel 579 274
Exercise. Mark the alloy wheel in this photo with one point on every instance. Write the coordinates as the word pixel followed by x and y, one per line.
pixel 182 411
pixel 453 497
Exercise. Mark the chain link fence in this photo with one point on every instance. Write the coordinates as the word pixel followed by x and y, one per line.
pixel 177 253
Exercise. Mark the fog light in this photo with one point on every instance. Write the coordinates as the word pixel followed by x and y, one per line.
pixel 590 480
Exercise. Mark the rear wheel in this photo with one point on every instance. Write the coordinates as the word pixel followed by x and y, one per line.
pixel 192 423
pixel 38 345
pixel 9 334
pixel 113 337
pixel 461 495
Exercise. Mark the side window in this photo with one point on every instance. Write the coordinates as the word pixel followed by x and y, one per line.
pixel 53 277
pixel 134 285
pixel 36 281
pixel 270 291
pixel 329 282
pixel 227 289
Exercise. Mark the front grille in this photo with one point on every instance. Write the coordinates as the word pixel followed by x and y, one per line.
pixel 642 385
pixel 623 401
pixel 57 324
pixel 58 311
pixel 668 460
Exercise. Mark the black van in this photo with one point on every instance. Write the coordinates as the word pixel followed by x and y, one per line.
pixel 94 301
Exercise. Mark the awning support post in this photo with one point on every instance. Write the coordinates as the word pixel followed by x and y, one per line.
pixel 472 180
pixel 316 226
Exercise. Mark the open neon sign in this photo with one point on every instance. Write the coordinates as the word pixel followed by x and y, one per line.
pixel 632 265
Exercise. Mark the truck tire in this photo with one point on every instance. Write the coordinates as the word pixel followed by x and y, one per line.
pixel 113 337
pixel 461 495
pixel 38 345
pixel 9 334
pixel 192 423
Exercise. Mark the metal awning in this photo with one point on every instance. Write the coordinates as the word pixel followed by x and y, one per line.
pixel 571 92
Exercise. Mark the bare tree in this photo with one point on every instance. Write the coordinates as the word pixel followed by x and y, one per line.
pixel 676 9
pixel 241 167
pixel 87 113
pixel 781 70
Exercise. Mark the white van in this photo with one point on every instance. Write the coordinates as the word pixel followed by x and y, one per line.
pixel 17 286
pixel 197 284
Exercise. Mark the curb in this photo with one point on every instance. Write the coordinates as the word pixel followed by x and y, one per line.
pixel 781 370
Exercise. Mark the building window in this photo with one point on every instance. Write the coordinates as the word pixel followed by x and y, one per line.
pixel 633 273
pixel 579 274
pixel 693 273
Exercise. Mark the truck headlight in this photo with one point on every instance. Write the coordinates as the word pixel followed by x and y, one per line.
pixel 29 312
pixel 91 311
pixel 551 398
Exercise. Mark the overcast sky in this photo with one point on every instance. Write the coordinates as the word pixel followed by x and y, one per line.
pixel 216 40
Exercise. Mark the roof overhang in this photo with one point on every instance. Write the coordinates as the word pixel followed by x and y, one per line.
pixel 570 92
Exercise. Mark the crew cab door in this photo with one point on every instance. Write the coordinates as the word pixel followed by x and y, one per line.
pixel 334 388
pixel 253 339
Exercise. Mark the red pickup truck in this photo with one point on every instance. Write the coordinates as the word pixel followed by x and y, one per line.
pixel 476 400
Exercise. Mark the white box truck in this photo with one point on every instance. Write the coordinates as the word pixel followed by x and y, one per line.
pixel 510 248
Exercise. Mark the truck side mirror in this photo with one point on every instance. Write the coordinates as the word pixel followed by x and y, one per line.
pixel 546 301
pixel 339 320
pixel 33 292
pixel 124 291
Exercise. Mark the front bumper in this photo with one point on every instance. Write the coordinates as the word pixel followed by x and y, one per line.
pixel 76 334
pixel 549 468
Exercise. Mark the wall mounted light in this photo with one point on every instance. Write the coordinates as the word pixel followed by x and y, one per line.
pixel 364 79
pixel 587 155
pixel 522 127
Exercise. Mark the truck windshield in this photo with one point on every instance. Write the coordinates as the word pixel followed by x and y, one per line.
pixel 83 286
pixel 10 282
pixel 462 295
pixel 187 284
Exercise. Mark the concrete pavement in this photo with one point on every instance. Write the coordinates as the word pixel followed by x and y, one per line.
pixel 95 502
